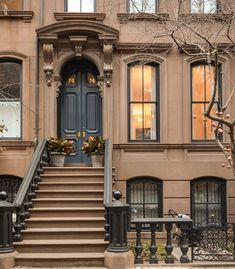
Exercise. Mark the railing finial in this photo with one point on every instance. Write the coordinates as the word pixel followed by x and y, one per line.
pixel 3 196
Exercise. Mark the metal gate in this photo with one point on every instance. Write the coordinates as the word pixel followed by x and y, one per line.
pixel 213 242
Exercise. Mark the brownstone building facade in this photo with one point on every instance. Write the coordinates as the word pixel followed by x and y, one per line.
pixel 79 68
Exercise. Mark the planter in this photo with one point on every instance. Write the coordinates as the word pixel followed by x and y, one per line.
pixel 57 159
pixel 97 160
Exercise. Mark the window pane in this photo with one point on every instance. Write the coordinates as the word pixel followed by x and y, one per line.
pixel 150 121
pixel 148 6
pixel 80 5
pixel 209 128
pixel 10 115
pixel 210 6
pixel 151 211
pixel 136 121
pixel 209 83
pixel 203 6
pixel 88 5
pixel 12 5
pixel 198 126
pixel 149 83
pixel 137 193
pixel 198 85
pixel 200 192
pixel 151 193
pixel 136 83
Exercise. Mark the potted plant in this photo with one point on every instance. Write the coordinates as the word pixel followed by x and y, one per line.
pixel 94 146
pixel 58 148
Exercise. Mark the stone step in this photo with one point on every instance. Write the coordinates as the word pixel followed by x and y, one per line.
pixel 49 177
pixel 75 170
pixel 61 246
pixel 67 202
pixel 67 185
pixel 72 259
pixel 69 194
pixel 72 222
pixel 63 233
pixel 66 212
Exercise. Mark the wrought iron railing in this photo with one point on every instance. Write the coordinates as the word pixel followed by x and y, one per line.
pixel 108 183
pixel 213 241
pixel 23 199
pixel 10 184
pixel 184 224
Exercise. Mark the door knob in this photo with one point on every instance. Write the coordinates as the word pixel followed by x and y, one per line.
pixel 78 134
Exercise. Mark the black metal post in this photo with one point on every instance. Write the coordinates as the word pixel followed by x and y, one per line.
pixel 184 246
pixel 138 247
pixel 153 247
pixel 106 225
pixel 169 247
pixel 6 238
pixel 118 224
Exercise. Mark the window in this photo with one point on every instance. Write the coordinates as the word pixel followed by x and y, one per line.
pixel 202 83
pixel 208 198
pixel 144 194
pixel 10 98
pixel 204 6
pixel 80 5
pixel 147 6
pixel 11 5
pixel 143 102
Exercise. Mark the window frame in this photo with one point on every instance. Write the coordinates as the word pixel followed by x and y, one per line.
pixel 145 180
pixel 156 7
pixel 203 12
pixel 157 102
pixel 222 183
pixel 18 61
pixel 66 7
pixel 204 102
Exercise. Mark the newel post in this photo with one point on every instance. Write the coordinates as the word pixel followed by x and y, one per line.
pixel 7 251
pixel 117 254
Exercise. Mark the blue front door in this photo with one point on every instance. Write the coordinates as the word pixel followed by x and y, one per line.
pixel 80 104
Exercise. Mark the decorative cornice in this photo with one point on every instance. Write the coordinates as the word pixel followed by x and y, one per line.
pixel 223 48
pixel 75 26
pixel 144 47
pixel 134 147
pixel 25 15
pixel 201 17
pixel 125 17
pixel 60 16
pixel 16 144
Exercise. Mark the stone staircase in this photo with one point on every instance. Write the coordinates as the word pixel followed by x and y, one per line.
pixel 66 224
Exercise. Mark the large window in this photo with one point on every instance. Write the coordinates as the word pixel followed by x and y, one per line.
pixel 204 6
pixel 208 198
pixel 11 5
pixel 10 98
pixel 144 102
pixel 202 85
pixel 144 194
pixel 80 5
pixel 147 6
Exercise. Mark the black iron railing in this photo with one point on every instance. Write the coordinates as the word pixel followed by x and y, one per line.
pixel 10 184
pixel 167 223
pixel 26 193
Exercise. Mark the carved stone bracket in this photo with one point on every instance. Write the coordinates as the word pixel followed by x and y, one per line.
pixel 107 41
pixel 100 84
pixel 48 62
pixel 58 84
pixel 78 42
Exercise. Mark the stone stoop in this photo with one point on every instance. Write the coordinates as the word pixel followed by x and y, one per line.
pixel 66 224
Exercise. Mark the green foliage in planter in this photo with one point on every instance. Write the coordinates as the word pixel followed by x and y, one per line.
pixel 161 253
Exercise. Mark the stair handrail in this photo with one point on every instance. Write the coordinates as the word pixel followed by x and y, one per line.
pixel 20 196
pixel 108 173
pixel 26 192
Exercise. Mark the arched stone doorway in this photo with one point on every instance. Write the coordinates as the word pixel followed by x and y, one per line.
pixel 79 105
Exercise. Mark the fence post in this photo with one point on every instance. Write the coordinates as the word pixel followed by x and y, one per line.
pixel 7 251
pixel 117 254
